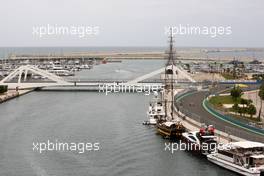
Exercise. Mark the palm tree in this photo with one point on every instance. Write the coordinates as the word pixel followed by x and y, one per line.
pixel 221 68
pixel 244 102
pixel 261 96
pixel 236 93
pixel 251 110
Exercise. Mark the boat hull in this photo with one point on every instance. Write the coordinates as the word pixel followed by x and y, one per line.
pixel 170 133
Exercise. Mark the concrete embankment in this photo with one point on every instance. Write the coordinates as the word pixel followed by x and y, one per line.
pixel 193 125
pixel 10 94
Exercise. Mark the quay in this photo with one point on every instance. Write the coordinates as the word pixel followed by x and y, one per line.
pixel 10 94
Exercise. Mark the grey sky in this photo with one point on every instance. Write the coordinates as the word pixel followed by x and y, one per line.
pixel 132 22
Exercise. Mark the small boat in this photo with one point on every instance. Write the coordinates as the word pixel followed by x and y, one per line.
pixel 245 157
pixel 171 129
pixel 203 141
pixel 85 66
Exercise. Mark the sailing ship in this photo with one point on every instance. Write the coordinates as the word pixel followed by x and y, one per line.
pixel 171 127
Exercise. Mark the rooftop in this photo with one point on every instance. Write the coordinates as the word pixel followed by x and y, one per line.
pixel 257 156
pixel 247 144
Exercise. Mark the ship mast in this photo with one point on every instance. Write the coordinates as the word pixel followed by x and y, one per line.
pixel 169 72
pixel 171 52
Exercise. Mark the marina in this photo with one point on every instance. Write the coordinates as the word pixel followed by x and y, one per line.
pixel 164 116
pixel 132 88
pixel 150 133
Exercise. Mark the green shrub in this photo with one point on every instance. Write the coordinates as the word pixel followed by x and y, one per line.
pixel 3 88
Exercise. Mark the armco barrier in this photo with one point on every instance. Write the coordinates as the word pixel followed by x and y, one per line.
pixel 184 93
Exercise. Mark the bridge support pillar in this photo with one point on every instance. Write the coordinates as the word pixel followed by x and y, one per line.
pixel 19 76
pixel 25 76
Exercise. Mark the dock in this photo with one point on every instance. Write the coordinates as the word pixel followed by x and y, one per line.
pixel 11 94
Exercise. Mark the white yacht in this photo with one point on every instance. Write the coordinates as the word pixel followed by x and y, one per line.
pixel 59 70
pixel 156 111
pixel 245 158
pixel 203 141
pixel 62 72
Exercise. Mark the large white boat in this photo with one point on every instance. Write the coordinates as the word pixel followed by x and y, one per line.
pixel 156 111
pixel 245 158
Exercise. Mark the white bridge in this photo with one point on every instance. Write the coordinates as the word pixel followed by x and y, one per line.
pixel 17 79
pixel 22 73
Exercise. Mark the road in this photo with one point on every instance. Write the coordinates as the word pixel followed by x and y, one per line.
pixel 192 106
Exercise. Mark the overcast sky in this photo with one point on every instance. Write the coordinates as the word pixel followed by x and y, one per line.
pixel 132 22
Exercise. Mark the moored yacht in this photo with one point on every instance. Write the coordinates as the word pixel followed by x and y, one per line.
pixel 156 111
pixel 62 72
pixel 203 141
pixel 245 158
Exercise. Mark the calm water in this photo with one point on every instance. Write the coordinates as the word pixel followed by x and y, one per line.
pixel 126 146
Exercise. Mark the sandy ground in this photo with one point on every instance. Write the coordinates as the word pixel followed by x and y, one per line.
pixel 206 76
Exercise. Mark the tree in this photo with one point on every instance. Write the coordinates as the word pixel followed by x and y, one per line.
pixel 261 96
pixel 188 67
pixel 246 102
pixel 221 68
pixel 240 110
pixel 243 102
pixel 235 107
pixel 236 93
pixel 3 89
pixel 251 110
